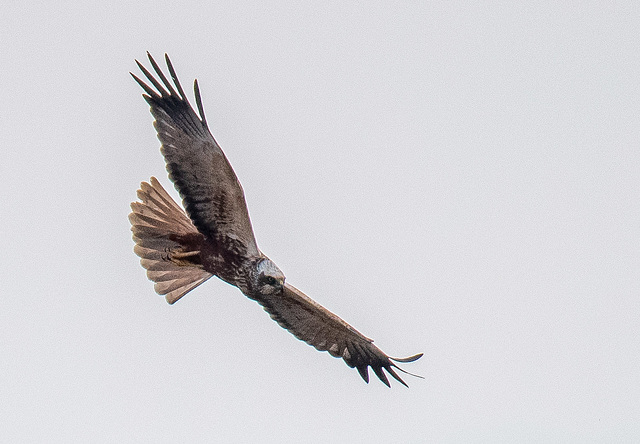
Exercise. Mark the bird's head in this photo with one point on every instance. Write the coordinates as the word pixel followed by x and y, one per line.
pixel 269 278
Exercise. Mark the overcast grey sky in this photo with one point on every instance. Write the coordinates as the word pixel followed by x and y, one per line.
pixel 458 180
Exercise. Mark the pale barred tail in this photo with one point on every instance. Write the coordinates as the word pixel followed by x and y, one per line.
pixel 161 230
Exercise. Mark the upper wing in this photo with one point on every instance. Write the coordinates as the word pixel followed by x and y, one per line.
pixel 210 190
pixel 314 324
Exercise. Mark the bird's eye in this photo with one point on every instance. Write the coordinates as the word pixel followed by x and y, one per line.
pixel 271 280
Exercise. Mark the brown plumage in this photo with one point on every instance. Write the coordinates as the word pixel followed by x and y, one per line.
pixel 180 250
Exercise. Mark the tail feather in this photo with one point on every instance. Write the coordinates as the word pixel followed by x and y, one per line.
pixel 158 225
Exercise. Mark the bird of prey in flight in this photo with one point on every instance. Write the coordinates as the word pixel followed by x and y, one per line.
pixel 212 236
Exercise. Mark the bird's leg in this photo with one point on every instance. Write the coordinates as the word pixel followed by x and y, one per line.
pixel 185 254
pixel 189 258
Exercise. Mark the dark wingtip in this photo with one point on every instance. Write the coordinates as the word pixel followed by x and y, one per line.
pixel 196 91
pixel 150 57
pixel 364 372
pixel 160 74
pixel 381 376
pixel 150 92
pixel 395 375
pixel 174 76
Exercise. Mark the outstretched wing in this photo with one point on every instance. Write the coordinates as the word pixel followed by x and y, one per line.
pixel 210 190
pixel 314 324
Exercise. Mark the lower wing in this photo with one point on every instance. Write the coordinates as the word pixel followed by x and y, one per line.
pixel 311 322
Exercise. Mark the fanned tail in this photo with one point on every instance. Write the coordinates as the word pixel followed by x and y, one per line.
pixel 167 242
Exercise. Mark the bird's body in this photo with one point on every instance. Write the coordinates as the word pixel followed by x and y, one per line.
pixel 213 237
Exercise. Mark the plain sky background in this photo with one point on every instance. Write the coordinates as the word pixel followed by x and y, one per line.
pixel 458 180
